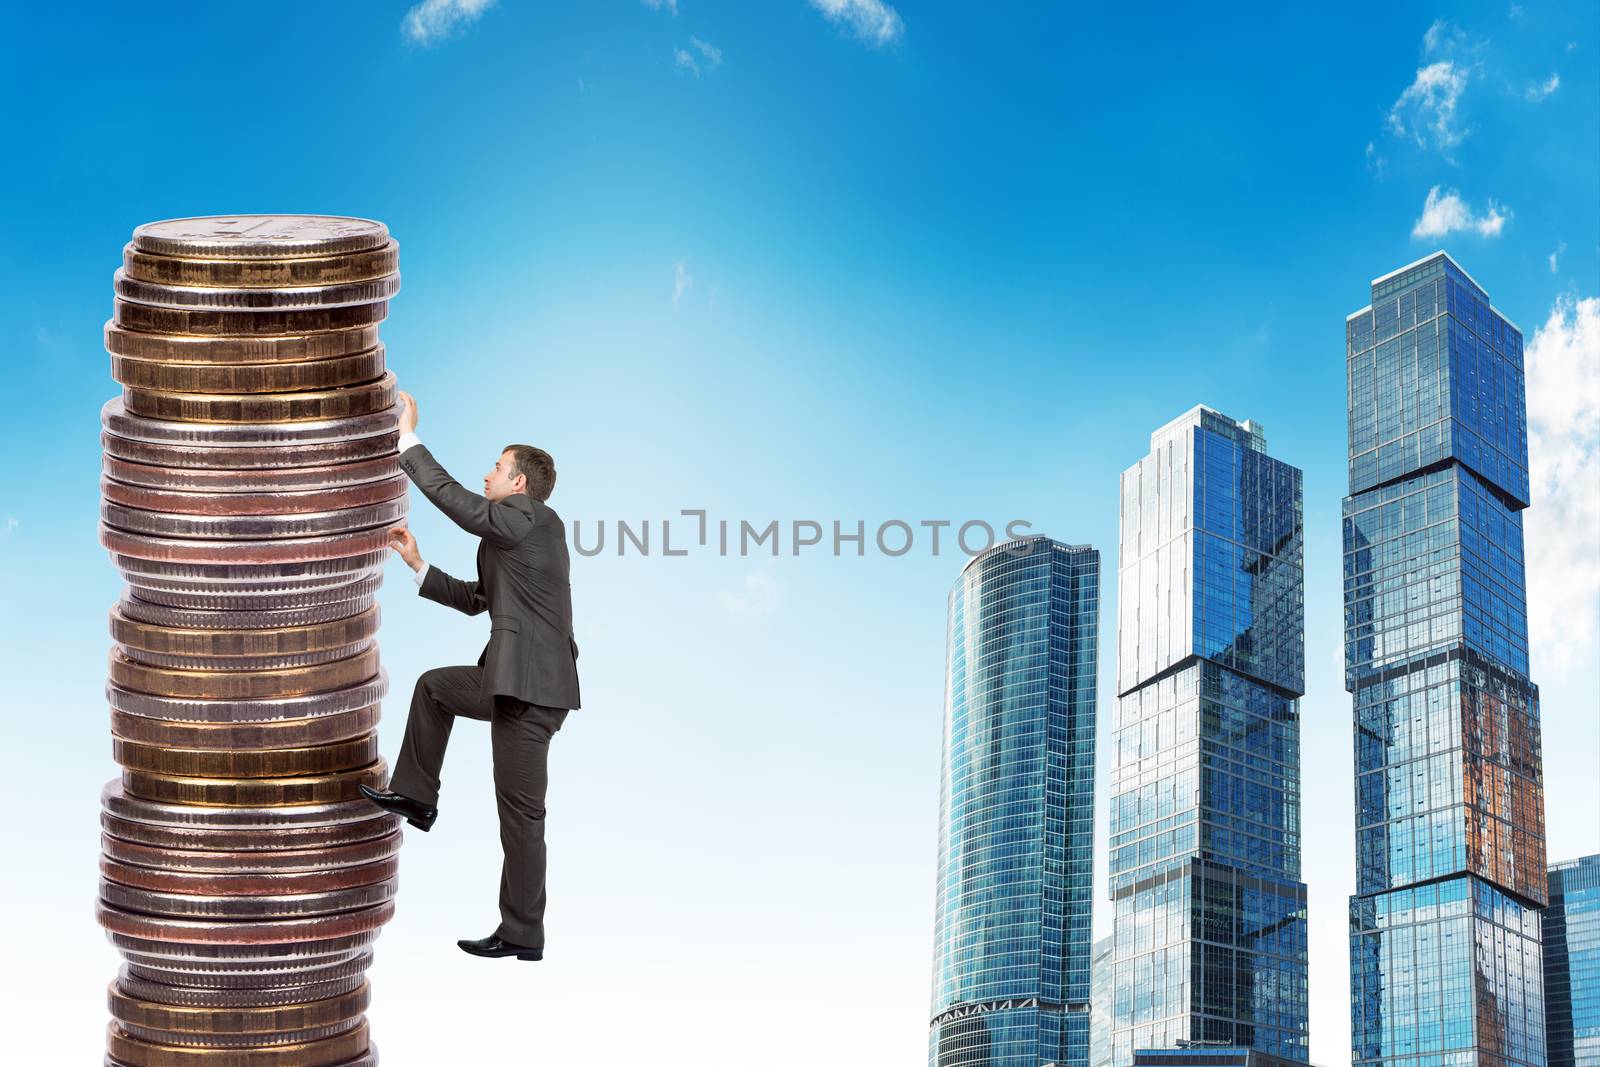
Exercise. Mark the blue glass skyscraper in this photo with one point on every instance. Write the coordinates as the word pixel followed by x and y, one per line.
pixel 1444 927
pixel 1572 963
pixel 1011 955
pixel 1209 910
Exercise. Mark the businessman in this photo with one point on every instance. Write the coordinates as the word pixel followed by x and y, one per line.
pixel 524 683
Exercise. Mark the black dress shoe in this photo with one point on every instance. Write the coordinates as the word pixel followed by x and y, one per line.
pixel 415 812
pixel 493 946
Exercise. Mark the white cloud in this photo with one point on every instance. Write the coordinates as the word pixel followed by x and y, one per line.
pixel 433 20
pixel 682 280
pixel 871 20
pixel 1563 548
pixel 757 596
pixel 1445 213
pixel 1427 108
pixel 671 6
pixel 11 524
pixel 684 61
pixel 1555 257
pixel 1442 35
pixel 1537 91
pixel 712 54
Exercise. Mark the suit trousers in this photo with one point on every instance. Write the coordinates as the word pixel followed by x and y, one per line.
pixel 520 736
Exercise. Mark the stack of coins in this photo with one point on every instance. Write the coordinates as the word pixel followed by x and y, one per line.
pixel 250 480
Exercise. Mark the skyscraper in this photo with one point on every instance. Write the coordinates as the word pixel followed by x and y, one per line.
pixel 1572 963
pixel 1444 927
pixel 1100 1002
pixel 1209 909
pixel 1016 810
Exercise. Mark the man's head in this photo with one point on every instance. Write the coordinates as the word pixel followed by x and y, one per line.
pixel 521 469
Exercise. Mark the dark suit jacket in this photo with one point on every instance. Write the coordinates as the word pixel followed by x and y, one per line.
pixel 522 582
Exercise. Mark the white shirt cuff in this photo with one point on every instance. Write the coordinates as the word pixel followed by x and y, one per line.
pixel 408 439
pixel 420 573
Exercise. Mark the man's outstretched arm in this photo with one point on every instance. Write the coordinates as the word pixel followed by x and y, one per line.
pixel 500 524
pixel 435 584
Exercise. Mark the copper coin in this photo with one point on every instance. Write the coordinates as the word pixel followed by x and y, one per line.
pixel 247 763
pixel 266 857
pixel 250 527
pixel 262 273
pixel 204 905
pixel 255 641
pixel 231 884
pixel 254 792
pixel 277 298
pixel 118 420
pixel 267 709
pixel 280 550
pixel 318 405
pixel 282 502
pixel 267 479
pixel 162 615
pixel 244 685
pixel 328 1052
pixel 256 467
pixel 269 938
pixel 283 734
pixel 248 377
pixel 236 1019
pixel 185 997
pixel 207 323
pixel 213 351
pixel 260 236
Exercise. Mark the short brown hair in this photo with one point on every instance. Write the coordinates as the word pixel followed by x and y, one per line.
pixel 536 465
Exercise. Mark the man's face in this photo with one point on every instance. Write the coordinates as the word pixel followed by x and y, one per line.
pixel 503 480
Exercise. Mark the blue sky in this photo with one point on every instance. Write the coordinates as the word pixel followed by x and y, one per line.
pixel 843 261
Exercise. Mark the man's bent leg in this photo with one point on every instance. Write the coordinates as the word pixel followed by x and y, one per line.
pixel 521 737
pixel 441 694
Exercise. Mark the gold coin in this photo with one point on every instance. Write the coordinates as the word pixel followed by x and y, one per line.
pixel 211 351
pixel 248 377
pixel 236 1020
pixel 269 641
pixel 151 319
pixel 328 1052
pixel 244 685
pixel 277 733
pixel 345 402
pixel 262 273
pixel 260 236
pixel 246 763
pixel 253 792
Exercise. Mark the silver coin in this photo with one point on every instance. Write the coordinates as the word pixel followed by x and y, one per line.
pixel 206 618
pixel 244 603
pixel 239 955
pixel 206 298
pixel 258 975
pixel 119 803
pixel 116 420
pixel 260 236
pixel 264 1039
pixel 241 663
pixel 252 527
pixel 261 480
pixel 248 908
pixel 246 460
pixel 209 592
pixel 311 572
pixel 274 997
pixel 308 706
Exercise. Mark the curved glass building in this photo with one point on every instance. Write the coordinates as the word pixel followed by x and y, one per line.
pixel 1016 810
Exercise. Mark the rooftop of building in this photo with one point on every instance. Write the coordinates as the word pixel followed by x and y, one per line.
pixel 1439 256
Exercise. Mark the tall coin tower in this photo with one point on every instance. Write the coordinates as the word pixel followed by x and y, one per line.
pixel 250 480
